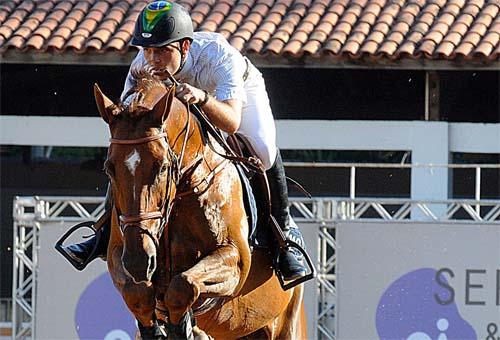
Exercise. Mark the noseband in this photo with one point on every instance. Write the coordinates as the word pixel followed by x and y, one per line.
pixel 137 221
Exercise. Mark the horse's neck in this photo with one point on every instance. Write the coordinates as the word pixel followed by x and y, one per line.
pixel 178 123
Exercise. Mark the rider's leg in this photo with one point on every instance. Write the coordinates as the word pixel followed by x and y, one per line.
pixel 84 252
pixel 258 128
pixel 290 261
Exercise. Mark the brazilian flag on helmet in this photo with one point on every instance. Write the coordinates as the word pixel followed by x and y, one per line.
pixel 161 23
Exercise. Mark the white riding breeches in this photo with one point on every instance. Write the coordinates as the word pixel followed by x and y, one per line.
pixel 257 121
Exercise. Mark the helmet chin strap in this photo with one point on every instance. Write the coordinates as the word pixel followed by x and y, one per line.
pixel 183 59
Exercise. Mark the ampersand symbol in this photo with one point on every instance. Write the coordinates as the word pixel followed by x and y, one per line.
pixel 492 331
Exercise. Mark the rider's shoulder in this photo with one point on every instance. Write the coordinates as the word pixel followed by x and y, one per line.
pixel 210 39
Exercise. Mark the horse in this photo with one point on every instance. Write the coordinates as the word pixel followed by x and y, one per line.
pixel 178 251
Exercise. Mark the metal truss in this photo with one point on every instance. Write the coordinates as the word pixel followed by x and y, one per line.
pixel 28 215
pixel 30 212
pixel 25 272
pixel 394 209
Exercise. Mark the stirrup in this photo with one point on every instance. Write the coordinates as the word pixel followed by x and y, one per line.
pixel 285 244
pixel 59 245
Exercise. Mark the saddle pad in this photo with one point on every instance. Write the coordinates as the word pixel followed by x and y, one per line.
pixel 250 204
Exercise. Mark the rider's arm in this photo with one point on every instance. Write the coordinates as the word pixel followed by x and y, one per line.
pixel 226 114
pixel 226 70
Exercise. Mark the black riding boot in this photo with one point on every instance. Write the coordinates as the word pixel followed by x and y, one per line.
pixel 290 260
pixel 85 252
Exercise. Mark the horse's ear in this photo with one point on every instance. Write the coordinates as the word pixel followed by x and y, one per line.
pixel 162 107
pixel 104 104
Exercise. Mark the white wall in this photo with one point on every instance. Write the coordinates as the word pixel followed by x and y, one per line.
pixel 292 134
pixel 429 142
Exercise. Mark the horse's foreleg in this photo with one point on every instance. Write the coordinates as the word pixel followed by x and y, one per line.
pixel 140 299
pixel 217 274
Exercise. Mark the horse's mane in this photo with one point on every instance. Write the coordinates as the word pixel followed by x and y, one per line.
pixel 144 93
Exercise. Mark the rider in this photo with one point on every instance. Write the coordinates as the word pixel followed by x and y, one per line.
pixel 231 92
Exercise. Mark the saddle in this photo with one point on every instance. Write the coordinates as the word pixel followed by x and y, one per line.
pixel 257 198
pixel 265 231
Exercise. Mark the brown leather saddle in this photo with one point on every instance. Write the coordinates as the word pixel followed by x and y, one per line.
pixel 256 193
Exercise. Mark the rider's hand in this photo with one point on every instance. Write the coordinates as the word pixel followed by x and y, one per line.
pixel 160 74
pixel 189 94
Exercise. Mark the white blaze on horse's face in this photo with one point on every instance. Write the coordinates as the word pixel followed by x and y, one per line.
pixel 132 161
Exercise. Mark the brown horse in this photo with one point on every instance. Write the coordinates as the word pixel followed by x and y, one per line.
pixel 179 229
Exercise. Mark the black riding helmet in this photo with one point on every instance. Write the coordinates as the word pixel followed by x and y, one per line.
pixel 161 23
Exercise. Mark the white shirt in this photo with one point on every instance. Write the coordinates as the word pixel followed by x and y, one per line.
pixel 211 64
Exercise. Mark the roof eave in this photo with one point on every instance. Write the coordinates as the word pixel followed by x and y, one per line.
pixel 111 58
pixel 309 61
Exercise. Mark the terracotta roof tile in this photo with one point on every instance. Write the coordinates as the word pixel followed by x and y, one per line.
pixel 16 42
pixel 64 6
pixel 57 15
pixel 4 14
pixel 464 49
pixel 312 47
pixel 460 28
pixel 57 43
pixel 116 44
pixel 331 47
pixel 8 6
pixel 388 48
pixel 27 5
pixel 407 49
pixel 19 15
pixel 293 48
pixel 243 7
pixel 35 42
pixel 76 42
pixel 76 15
pixel 434 29
pixel 43 31
pixel 453 38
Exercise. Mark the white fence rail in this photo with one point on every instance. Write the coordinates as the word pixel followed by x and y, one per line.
pixel 354 167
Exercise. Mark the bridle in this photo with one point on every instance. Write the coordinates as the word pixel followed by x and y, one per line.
pixel 127 221
pixel 174 175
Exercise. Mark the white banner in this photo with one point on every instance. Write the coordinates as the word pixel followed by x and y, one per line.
pixel 418 281
pixel 76 305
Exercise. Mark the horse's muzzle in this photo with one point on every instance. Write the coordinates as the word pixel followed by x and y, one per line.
pixel 140 273
pixel 139 255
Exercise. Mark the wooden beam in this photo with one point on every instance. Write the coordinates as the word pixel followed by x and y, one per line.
pixel 432 96
pixel 12 56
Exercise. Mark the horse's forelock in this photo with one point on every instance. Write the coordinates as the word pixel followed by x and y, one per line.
pixel 143 83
